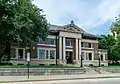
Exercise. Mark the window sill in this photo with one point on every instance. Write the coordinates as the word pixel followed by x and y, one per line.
pixel 69 46
pixel 86 48
pixel 42 59
pixel 46 45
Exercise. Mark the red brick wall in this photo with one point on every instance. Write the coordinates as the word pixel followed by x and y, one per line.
pixel 95 46
pixel 47 41
pixel 33 51
pixel 74 47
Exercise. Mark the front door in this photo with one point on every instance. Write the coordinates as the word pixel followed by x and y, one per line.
pixel 69 57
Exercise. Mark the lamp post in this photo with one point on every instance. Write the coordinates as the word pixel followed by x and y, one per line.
pixel 28 60
pixel 81 60
pixel 99 59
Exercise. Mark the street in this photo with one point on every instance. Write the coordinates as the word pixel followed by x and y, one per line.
pixel 83 81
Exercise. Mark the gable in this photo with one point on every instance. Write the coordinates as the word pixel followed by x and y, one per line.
pixel 69 29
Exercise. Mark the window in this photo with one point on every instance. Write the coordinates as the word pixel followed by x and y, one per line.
pixel 87 56
pixel 89 45
pixel 67 53
pixel 41 54
pixel 52 54
pixel 20 53
pixel 52 41
pixel 83 55
pixel 68 43
pixel 41 41
pixel 81 44
pixel 47 54
pixel 90 56
pixel 101 57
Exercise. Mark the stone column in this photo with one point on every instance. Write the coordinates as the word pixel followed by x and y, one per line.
pixel 76 52
pixel 60 50
pixel 104 57
pixel 85 56
pixel 79 50
pixel 92 56
pixel 17 53
pixel 24 53
pixel 64 56
pixel 76 49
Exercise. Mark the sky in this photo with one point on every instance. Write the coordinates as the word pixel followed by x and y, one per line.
pixel 94 16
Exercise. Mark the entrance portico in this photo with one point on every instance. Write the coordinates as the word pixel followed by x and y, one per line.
pixel 73 36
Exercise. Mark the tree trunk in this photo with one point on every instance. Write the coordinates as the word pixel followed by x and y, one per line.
pixel 5 52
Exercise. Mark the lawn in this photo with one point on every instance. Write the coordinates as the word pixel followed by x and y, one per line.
pixel 115 66
pixel 23 66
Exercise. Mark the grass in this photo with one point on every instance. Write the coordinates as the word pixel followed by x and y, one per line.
pixel 113 66
pixel 23 66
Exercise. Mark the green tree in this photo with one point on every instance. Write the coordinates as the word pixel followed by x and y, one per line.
pixel 108 42
pixel 102 42
pixel 115 50
pixel 115 27
pixel 114 53
pixel 22 22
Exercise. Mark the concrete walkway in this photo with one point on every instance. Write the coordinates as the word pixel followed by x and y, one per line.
pixel 55 77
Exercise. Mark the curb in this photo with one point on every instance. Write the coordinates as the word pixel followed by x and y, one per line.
pixel 61 79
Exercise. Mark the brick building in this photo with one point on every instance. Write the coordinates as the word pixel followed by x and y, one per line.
pixel 64 46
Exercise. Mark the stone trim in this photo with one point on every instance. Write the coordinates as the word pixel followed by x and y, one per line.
pixel 87 48
pixel 69 50
pixel 71 35
pixel 51 36
pixel 46 45
pixel 89 41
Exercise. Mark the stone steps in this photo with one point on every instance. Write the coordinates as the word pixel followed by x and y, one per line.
pixel 103 71
pixel 89 70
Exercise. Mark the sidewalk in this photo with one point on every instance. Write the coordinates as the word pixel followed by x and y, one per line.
pixel 56 77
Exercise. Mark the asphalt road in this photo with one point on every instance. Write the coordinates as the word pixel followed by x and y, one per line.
pixel 83 81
